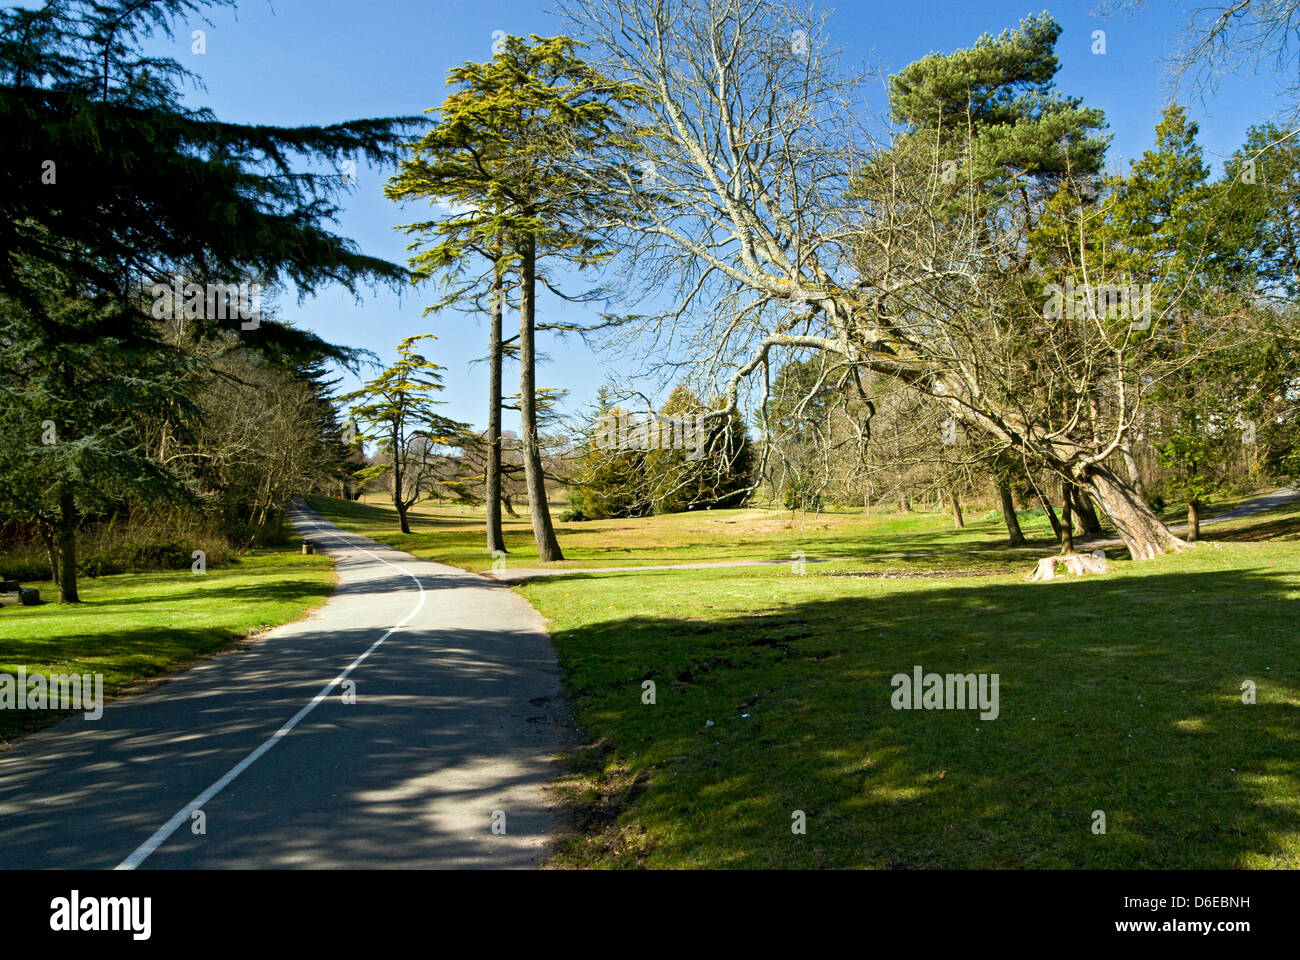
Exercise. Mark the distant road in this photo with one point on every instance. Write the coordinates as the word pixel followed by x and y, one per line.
pixel 455 721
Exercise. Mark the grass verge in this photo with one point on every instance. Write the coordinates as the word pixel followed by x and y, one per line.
pixel 134 626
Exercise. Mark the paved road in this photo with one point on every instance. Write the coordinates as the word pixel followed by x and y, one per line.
pixel 1261 504
pixel 457 714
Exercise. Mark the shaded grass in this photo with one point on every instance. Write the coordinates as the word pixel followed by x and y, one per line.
pixel 1118 693
pixel 135 626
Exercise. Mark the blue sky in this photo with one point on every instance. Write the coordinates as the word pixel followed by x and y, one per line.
pixel 322 61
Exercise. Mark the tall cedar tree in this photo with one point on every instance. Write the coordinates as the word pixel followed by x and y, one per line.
pixel 522 150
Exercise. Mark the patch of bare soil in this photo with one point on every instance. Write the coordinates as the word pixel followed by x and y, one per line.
pixel 589 801
pixel 919 574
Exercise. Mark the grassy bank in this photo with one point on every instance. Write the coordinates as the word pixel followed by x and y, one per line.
pixel 139 625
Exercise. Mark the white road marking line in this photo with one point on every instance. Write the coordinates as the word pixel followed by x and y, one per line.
pixel 143 852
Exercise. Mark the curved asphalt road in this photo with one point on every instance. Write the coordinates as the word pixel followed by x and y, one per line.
pixel 457 715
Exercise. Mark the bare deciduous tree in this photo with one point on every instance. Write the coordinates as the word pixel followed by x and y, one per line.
pixel 775 223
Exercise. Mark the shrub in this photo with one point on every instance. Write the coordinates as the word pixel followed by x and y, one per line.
pixel 26 563
pixel 148 541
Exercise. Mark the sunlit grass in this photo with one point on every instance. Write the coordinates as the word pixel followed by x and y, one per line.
pixel 455 534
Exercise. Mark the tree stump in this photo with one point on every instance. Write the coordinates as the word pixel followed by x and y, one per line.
pixel 1076 563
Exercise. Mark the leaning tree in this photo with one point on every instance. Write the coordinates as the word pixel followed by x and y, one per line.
pixel 901 248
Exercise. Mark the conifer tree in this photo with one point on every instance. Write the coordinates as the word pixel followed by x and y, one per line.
pixel 112 186
pixel 397 408
pixel 524 147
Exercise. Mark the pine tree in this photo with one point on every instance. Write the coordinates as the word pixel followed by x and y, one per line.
pixel 992 112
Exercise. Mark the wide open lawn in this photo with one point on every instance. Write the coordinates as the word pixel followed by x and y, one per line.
pixel 455 535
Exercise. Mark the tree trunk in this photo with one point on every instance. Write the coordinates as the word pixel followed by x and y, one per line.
pixel 1193 509
pixel 256 527
pixel 67 546
pixel 495 538
pixel 1014 533
pixel 958 521
pixel 398 477
pixel 509 505
pixel 1131 465
pixel 1083 509
pixel 399 503
pixel 548 547
pixel 1141 530
pixel 903 505
pixel 1067 519
pixel 47 535
pixel 1050 512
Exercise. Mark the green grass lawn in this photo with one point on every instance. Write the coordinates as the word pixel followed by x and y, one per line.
pixel 138 625
pixel 455 535
pixel 1119 693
